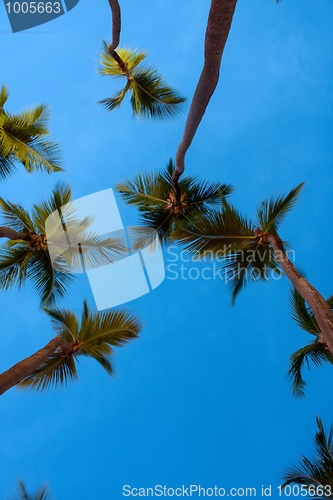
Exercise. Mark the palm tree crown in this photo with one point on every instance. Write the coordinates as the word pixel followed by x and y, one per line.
pixel 238 240
pixel 94 335
pixel 154 196
pixel 316 473
pixel 21 493
pixel 29 260
pixel 151 97
pixel 24 138
pixel 316 351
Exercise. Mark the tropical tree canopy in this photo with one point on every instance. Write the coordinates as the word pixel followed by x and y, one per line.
pixel 315 473
pixel 42 493
pixel 151 97
pixel 94 335
pixel 316 351
pixel 154 196
pixel 22 261
pixel 24 138
pixel 236 239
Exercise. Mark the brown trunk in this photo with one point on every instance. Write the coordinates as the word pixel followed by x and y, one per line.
pixel 116 27
pixel 313 298
pixel 218 27
pixel 28 365
pixel 116 24
pixel 7 232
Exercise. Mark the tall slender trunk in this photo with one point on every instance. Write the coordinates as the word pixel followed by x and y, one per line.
pixel 28 365
pixel 313 298
pixel 218 27
pixel 116 28
pixel 8 232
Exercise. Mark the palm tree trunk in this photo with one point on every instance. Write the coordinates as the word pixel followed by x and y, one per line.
pixel 28 365
pixel 7 232
pixel 314 299
pixel 218 27
pixel 116 27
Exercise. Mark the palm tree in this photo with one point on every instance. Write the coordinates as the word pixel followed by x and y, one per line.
pixel 252 249
pixel 155 199
pixel 315 474
pixel 94 335
pixel 24 138
pixel 150 95
pixel 21 493
pixel 218 27
pixel 26 256
pixel 316 351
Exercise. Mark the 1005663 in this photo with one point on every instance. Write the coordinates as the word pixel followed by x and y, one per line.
pixel 33 7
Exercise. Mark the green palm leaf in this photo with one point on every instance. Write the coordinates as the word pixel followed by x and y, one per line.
pixel 318 470
pixel 315 351
pixel 24 137
pixel 272 212
pixel 152 195
pixel 42 493
pixel 151 97
pixel 19 263
pixel 94 335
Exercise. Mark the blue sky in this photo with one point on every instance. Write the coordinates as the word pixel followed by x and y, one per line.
pixel 202 396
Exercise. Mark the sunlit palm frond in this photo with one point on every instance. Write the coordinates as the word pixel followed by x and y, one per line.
pixel 42 493
pixel 271 212
pixel 4 94
pixel 151 97
pixel 132 58
pixel 318 470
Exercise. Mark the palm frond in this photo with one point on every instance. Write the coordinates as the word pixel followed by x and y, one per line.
pixel 58 370
pixel 24 137
pixel 315 352
pixel 271 212
pixel 302 315
pixel 4 94
pixel 7 166
pixel 217 233
pixel 42 493
pixel 16 217
pixel 132 58
pixel 111 103
pixel 96 335
pixel 248 265
pixel 318 470
pixel 104 330
pixel 151 97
